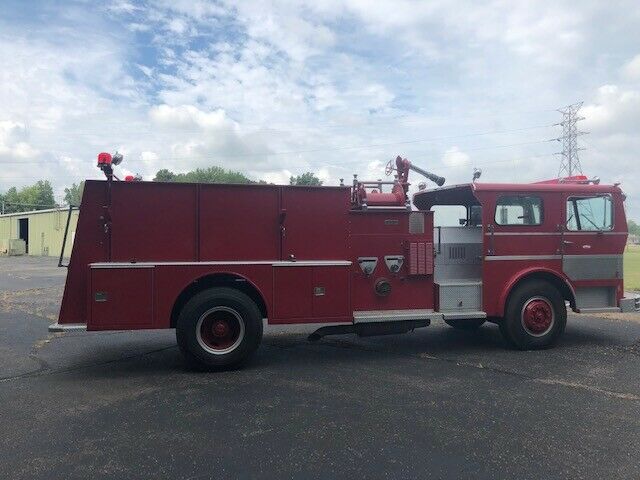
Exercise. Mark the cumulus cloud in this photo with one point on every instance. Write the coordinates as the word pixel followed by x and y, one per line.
pixel 454 157
pixel 631 69
pixel 615 110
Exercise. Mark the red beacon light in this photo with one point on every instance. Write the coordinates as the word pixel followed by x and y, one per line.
pixel 106 162
pixel 129 178
pixel 104 158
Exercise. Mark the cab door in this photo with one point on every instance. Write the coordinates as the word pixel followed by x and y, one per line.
pixel 592 250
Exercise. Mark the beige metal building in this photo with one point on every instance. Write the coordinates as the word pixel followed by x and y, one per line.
pixel 41 232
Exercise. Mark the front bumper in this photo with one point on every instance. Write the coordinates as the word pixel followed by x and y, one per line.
pixel 630 304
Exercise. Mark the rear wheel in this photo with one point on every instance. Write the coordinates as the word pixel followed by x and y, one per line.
pixel 462 324
pixel 535 316
pixel 219 329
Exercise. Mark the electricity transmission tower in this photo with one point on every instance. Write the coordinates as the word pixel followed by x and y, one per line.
pixel 570 163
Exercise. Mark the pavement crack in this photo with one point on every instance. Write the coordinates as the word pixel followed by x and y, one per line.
pixel 45 370
pixel 501 371
pixel 590 388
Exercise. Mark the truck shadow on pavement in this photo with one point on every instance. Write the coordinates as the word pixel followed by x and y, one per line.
pixel 135 358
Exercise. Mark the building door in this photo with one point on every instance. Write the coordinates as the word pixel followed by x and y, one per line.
pixel 23 230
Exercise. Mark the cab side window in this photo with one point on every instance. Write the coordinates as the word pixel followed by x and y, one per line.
pixel 519 210
pixel 590 214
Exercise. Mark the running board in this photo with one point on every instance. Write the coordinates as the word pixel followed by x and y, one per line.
pixel 370 329
pixel 463 315
pixel 67 327
pixel 599 310
pixel 372 316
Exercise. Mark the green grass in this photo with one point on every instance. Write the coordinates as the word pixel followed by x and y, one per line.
pixel 632 267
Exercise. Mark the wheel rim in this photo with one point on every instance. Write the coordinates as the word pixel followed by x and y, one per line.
pixel 537 316
pixel 220 330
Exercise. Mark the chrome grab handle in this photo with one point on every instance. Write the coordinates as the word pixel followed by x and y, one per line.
pixel 567 242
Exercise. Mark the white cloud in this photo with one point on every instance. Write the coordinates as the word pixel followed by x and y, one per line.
pixel 278 177
pixel 454 157
pixel 615 110
pixel 631 70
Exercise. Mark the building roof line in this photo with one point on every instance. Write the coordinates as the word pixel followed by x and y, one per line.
pixel 31 212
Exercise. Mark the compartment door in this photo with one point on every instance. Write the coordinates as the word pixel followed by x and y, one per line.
pixel 331 292
pixel 121 299
pixel 292 293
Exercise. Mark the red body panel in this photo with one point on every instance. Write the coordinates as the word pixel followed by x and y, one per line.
pixel 153 240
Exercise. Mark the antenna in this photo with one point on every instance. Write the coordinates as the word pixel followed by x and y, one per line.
pixel 570 163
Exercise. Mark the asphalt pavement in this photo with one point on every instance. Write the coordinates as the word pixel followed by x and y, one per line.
pixel 436 403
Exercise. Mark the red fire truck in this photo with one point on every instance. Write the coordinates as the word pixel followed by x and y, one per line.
pixel 214 261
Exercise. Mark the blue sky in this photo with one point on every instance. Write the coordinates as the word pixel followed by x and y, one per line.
pixel 274 88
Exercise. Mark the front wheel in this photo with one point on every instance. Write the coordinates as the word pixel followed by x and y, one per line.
pixel 535 316
pixel 219 329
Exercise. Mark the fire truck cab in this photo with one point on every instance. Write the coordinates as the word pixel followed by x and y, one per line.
pixel 216 261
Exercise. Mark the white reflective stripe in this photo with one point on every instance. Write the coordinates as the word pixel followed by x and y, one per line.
pixel 522 257
pixel 274 263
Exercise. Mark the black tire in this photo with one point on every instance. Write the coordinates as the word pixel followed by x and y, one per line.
pixel 219 329
pixel 468 324
pixel 535 316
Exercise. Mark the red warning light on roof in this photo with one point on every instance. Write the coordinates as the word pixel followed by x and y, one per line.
pixel 104 158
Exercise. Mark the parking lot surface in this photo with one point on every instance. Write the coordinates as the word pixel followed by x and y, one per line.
pixel 436 403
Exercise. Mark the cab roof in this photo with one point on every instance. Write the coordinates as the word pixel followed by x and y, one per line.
pixel 464 194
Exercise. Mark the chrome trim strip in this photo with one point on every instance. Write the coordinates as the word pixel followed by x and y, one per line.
pixel 120 265
pixel 551 234
pixel 312 263
pixel 549 257
pixel 273 263
pixel 524 234
pixel 67 327
pixel 522 257
pixel 595 255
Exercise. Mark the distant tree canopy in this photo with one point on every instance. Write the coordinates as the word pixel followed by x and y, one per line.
pixel 202 175
pixel 633 227
pixel 307 178
pixel 73 194
pixel 38 196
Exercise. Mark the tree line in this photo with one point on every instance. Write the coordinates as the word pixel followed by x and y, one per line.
pixel 39 196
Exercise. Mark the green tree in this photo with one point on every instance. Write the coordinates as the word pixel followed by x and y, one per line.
pixel 307 178
pixel 633 227
pixel 73 194
pixel 165 175
pixel 38 196
pixel 202 175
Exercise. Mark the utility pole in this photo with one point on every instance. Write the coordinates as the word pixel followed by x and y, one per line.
pixel 570 163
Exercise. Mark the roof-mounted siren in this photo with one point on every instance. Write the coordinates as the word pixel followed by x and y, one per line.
pixel 106 162
pixel 477 172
